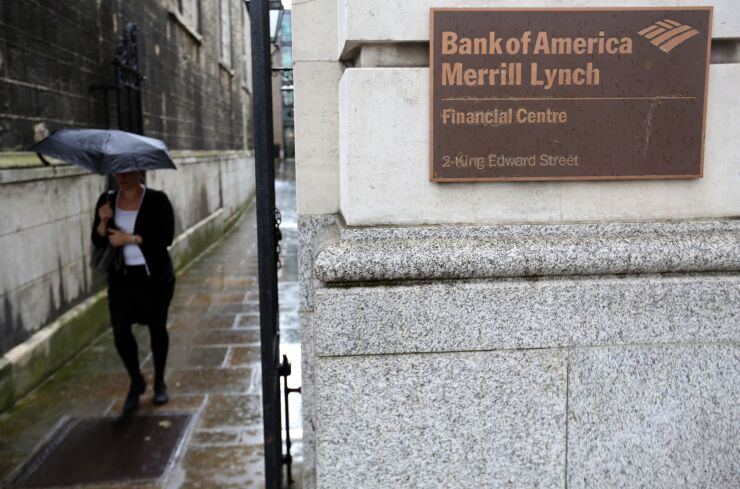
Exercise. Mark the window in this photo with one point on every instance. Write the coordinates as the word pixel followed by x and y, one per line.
pixel 286 30
pixel 286 57
pixel 246 50
pixel 225 13
pixel 190 12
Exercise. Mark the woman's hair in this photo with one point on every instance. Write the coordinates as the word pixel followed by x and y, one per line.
pixel 141 173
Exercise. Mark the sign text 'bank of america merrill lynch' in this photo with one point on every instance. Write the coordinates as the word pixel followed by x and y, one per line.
pixel 571 94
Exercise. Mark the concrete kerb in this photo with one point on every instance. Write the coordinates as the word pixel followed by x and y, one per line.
pixel 27 365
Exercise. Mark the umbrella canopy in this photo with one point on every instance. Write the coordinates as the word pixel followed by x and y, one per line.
pixel 106 151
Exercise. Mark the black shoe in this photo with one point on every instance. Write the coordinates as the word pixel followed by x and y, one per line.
pixel 160 393
pixel 132 398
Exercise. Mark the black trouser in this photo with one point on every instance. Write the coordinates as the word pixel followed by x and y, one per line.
pixel 136 297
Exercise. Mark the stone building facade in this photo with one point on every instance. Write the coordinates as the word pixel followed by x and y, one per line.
pixel 196 96
pixel 538 334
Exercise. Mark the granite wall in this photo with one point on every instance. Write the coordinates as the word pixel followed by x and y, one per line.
pixel 601 355
pixel 539 334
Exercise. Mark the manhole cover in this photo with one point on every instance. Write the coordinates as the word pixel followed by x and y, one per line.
pixel 105 449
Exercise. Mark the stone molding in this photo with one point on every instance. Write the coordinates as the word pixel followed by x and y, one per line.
pixel 17 167
pixel 475 252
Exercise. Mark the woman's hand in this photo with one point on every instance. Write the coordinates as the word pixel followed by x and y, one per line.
pixel 118 238
pixel 105 212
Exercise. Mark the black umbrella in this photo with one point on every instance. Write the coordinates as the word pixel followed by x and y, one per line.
pixel 106 151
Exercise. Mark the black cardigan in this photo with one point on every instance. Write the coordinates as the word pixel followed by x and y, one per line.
pixel 155 223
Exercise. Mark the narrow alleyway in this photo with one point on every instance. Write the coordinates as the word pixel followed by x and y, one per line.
pixel 213 372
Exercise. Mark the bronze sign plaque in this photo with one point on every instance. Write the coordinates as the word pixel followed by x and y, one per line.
pixel 568 94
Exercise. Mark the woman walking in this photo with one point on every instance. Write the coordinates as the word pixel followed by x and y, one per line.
pixel 139 223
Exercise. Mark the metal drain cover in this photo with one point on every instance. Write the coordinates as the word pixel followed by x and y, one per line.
pixel 106 449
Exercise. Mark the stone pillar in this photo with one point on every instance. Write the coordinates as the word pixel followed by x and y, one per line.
pixel 540 334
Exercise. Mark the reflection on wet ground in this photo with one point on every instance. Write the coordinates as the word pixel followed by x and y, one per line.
pixel 214 370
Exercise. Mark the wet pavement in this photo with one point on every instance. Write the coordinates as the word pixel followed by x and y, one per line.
pixel 213 374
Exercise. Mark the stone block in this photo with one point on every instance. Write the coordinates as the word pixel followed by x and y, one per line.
pixel 384 166
pixel 520 313
pixel 37 253
pixel 392 55
pixel 315 30
pixel 384 173
pixel 713 195
pixel 194 190
pixel 317 192
pixel 237 181
pixel 44 201
pixel 367 21
pixel 654 416
pixel 308 388
pixel 441 421
pixel 317 136
pixel 308 227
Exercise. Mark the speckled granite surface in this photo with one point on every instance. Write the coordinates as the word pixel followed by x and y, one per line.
pixel 308 226
pixel 449 356
pixel 441 421
pixel 654 417
pixel 308 383
pixel 527 313
pixel 449 252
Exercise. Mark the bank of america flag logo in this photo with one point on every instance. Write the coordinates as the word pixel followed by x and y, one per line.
pixel 666 34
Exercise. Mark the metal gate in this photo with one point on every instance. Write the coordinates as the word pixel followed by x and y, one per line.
pixel 268 235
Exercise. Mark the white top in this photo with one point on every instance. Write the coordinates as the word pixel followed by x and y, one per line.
pixel 125 221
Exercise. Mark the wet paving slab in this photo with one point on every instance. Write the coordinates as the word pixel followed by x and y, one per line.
pixel 180 358
pixel 215 337
pixel 232 412
pixel 213 378
pixel 223 466
pixel 242 356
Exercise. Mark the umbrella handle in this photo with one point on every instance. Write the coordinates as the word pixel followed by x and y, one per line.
pixel 43 160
